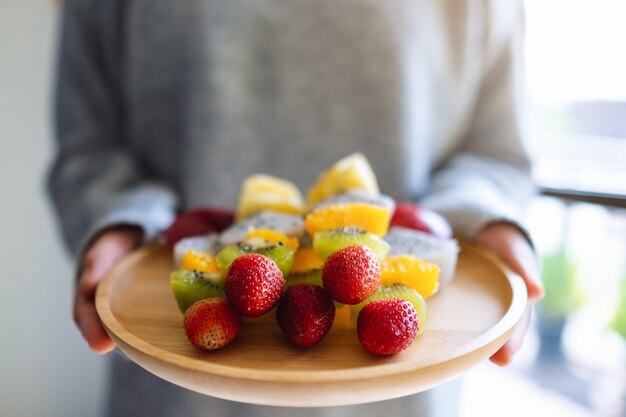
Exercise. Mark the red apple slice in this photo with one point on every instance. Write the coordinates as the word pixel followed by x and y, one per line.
pixel 417 217
pixel 198 222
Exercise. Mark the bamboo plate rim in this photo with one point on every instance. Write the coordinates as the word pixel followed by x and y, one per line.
pixel 114 327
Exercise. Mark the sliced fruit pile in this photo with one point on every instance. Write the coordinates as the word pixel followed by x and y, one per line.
pixel 349 247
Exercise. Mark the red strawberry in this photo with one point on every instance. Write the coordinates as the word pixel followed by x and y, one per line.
pixel 351 274
pixel 211 323
pixel 305 313
pixel 253 284
pixel 385 327
pixel 414 216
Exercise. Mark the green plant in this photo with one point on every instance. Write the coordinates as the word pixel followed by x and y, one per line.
pixel 619 320
pixel 562 287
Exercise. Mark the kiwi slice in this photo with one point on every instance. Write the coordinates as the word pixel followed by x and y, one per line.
pixel 278 252
pixel 192 286
pixel 328 241
pixel 395 291
pixel 313 276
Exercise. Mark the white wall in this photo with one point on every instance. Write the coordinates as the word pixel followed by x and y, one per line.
pixel 45 369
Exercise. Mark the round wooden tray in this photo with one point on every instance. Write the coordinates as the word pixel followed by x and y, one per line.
pixel 468 321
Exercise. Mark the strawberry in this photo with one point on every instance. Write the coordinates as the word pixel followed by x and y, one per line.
pixel 211 323
pixel 253 284
pixel 305 314
pixel 416 217
pixel 351 274
pixel 385 327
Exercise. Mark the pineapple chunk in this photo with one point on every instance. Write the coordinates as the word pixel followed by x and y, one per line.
pixel 350 173
pixel 264 192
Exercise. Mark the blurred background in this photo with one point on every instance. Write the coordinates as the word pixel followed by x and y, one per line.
pixel 574 362
pixel 45 369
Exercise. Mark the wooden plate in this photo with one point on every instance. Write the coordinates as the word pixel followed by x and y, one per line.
pixel 468 321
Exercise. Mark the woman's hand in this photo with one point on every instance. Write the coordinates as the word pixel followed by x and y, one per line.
pixel 511 246
pixel 104 253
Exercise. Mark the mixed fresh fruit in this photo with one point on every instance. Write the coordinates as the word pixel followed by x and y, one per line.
pixel 345 248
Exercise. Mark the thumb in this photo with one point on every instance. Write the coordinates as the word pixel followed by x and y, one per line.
pixel 106 251
pixel 511 246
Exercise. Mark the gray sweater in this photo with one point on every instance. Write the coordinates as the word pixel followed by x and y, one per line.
pixel 164 105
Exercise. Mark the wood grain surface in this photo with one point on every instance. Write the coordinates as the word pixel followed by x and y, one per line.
pixel 469 320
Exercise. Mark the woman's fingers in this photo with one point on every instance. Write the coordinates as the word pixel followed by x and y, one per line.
pixel 101 257
pixel 505 354
pixel 522 260
pixel 88 322
pixel 508 243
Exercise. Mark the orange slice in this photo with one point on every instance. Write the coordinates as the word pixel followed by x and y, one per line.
pixel 199 261
pixel 372 218
pixel 412 272
pixel 305 260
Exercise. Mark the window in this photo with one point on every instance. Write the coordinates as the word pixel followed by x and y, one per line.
pixel 576 78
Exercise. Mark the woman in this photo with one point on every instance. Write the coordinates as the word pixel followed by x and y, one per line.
pixel 169 105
